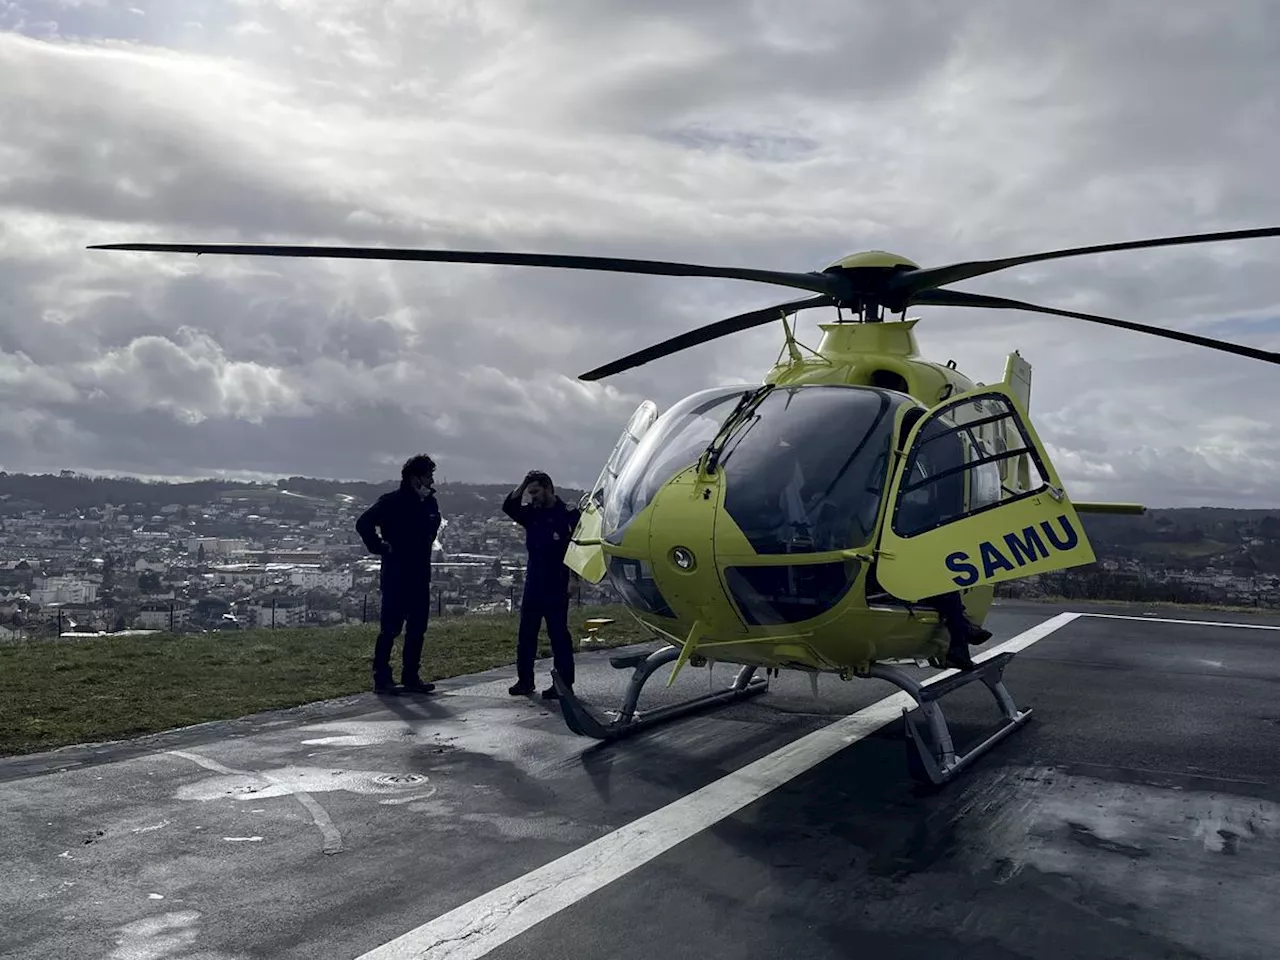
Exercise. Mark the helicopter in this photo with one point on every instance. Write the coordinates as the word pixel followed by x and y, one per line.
pixel 808 521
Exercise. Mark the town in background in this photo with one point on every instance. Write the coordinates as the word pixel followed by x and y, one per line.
pixel 91 556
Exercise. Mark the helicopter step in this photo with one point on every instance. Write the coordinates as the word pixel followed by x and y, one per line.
pixel 931 754
pixel 588 722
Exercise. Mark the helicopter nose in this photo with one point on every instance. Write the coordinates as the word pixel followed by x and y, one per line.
pixel 683 557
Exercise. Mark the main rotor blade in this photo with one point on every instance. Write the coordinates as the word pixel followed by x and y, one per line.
pixel 816 282
pixel 712 331
pixel 956 298
pixel 914 281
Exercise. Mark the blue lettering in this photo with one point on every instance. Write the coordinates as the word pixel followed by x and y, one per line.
pixel 1072 538
pixel 993 560
pixel 1026 548
pixel 959 563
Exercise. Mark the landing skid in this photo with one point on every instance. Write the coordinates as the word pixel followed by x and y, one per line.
pixel 931 755
pixel 588 722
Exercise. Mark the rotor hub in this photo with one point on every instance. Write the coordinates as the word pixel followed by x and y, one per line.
pixel 878 259
pixel 865 278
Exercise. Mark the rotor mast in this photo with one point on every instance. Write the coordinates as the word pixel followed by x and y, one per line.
pixel 862 346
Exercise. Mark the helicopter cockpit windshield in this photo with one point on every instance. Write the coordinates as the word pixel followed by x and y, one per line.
pixel 804 468
pixel 676 441
pixel 805 472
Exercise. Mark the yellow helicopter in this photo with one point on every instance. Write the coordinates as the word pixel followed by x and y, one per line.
pixel 812 521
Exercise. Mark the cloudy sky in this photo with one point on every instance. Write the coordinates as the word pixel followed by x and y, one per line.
pixel 753 133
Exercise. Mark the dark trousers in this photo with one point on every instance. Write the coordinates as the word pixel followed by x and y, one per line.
pixel 950 607
pixel 407 608
pixel 549 602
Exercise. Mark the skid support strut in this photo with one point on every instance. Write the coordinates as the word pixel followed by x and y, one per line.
pixel 586 721
pixel 931 754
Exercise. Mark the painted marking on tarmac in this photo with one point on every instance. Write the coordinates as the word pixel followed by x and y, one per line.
pixel 1199 623
pixel 474 929
pixel 332 838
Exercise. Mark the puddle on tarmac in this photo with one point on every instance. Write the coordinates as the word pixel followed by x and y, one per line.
pixel 166 935
pixel 489 732
pixel 452 817
pixel 1198 867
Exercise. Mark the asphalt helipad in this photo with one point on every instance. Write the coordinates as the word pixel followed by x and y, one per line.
pixel 1135 816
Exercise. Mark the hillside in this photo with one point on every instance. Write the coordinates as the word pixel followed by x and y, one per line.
pixel 1242 541
pixel 64 492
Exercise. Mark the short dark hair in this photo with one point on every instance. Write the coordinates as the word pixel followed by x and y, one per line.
pixel 537 476
pixel 417 466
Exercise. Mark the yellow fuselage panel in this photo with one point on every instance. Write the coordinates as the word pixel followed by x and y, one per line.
pixel 851 638
pixel 855 353
pixel 682 527
pixel 687 517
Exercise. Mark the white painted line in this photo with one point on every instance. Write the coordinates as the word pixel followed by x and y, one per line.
pixel 332 839
pixel 1201 623
pixel 475 928
pixel 1020 642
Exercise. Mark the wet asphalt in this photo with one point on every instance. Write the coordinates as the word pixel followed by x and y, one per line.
pixel 1135 816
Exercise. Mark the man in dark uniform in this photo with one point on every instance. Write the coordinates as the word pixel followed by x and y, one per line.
pixel 401 528
pixel 548 524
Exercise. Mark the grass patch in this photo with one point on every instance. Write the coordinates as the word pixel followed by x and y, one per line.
pixel 55 693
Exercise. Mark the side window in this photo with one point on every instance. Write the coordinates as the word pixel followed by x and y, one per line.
pixel 969 457
pixel 641 420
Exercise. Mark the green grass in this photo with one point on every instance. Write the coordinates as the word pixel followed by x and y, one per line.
pixel 55 693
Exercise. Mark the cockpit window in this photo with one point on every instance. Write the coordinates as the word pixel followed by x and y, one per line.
pixel 673 443
pixel 806 471
pixel 957 464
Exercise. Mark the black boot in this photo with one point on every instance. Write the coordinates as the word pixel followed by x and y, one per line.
pixel 382 682
pixel 414 684
pixel 961 632
pixel 958 653
pixel 964 633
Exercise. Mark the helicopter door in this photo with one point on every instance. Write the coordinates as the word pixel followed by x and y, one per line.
pixel 585 557
pixel 954 520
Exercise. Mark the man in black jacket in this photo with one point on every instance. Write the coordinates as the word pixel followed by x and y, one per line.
pixel 401 528
pixel 548 524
